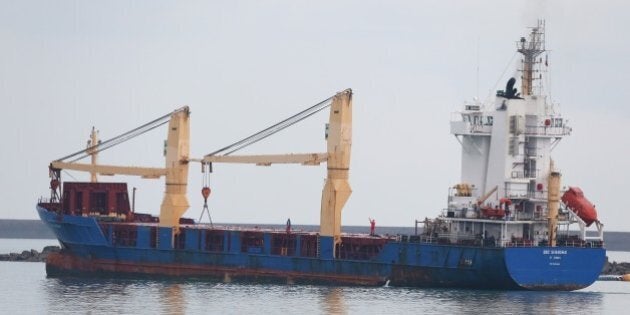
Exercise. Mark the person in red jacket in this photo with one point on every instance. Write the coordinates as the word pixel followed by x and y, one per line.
pixel 372 226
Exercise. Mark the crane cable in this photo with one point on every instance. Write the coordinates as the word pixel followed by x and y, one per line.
pixel 227 150
pixel 104 145
pixel 108 145
pixel 273 129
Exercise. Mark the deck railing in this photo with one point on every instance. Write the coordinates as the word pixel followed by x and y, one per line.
pixel 469 240
pixel 547 131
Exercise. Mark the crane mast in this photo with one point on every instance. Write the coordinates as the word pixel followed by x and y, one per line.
pixel 337 188
pixel 175 201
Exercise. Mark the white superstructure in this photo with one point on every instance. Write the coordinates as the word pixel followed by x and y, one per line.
pixel 506 163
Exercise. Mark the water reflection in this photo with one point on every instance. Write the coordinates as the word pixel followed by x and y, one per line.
pixel 546 302
pixel 77 295
pixel 85 295
pixel 98 295
pixel 332 300
pixel 173 299
pixel 513 302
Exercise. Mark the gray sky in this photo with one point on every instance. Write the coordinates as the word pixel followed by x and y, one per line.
pixel 241 66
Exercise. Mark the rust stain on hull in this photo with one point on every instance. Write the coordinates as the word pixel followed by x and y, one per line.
pixel 60 264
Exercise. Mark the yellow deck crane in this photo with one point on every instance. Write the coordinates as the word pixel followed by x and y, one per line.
pixel 336 189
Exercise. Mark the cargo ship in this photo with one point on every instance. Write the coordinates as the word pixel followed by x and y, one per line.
pixel 508 224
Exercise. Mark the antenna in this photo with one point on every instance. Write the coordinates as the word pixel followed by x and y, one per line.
pixel 477 67
pixel 530 49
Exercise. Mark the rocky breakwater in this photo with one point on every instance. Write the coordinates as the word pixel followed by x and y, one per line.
pixel 30 255
pixel 615 268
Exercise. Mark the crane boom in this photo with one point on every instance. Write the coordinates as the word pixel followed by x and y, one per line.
pixel 266 160
pixel 144 172
pixel 485 197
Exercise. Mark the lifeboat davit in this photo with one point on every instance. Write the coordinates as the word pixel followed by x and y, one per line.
pixel 574 200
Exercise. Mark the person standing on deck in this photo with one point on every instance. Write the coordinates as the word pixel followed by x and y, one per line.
pixel 372 226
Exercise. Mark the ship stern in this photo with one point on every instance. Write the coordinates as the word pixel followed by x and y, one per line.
pixel 554 268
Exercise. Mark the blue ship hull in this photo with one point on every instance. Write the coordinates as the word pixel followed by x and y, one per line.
pixel 88 248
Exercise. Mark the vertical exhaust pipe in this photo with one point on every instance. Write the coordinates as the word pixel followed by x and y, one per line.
pixel 553 203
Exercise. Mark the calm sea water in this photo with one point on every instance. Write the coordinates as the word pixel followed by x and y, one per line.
pixel 25 289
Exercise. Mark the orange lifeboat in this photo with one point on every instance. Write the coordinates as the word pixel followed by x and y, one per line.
pixel 489 212
pixel 574 200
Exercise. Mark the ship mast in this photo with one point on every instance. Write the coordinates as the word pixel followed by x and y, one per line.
pixel 92 143
pixel 530 49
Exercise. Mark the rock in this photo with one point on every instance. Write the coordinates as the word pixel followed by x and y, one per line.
pixel 614 268
pixel 27 255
